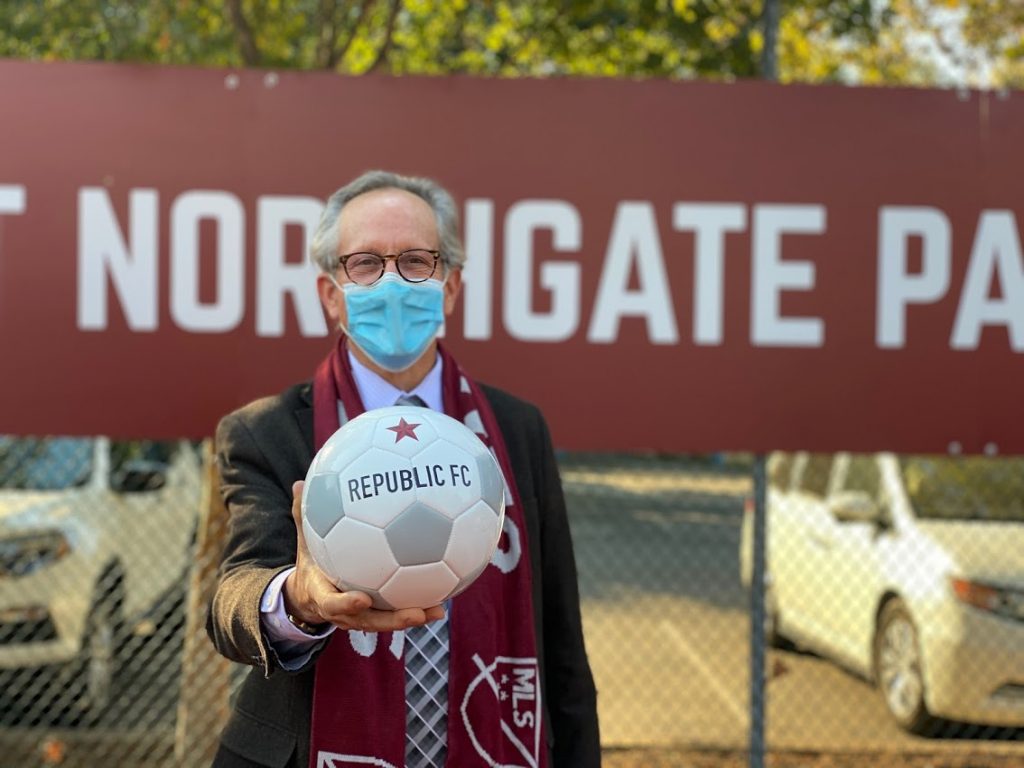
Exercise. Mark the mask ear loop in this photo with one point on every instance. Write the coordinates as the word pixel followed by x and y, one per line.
pixel 444 318
pixel 341 325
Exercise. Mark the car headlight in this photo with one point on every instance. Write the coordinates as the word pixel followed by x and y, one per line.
pixel 1002 601
pixel 27 553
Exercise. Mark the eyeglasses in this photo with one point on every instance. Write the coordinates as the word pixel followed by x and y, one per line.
pixel 414 265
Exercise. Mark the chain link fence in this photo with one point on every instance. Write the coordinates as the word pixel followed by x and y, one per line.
pixel 904 570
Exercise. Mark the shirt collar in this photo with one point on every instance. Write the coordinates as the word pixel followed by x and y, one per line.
pixel 378 393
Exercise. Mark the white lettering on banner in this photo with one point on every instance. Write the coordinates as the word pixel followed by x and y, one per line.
pixel 996 254
pixel 710 223
pixel 12 201
pixel 896 286
pixel 770 275
pixel 275 277
pixel 561 279
pixel 120 259
pixel 634 241
pixel 102 251
pixel 226 310
pixel 477 275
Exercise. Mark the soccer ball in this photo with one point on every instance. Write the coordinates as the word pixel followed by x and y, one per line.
pixel 405 504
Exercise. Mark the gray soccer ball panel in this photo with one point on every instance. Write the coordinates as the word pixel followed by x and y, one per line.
pixel 492 485
pixel 418 535
pixel 324 506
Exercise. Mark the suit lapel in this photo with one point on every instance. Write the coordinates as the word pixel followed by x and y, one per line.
pixel 304 417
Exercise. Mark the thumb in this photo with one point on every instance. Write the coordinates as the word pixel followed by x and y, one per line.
pixel 297 487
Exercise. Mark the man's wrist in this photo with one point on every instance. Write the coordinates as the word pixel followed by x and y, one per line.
pixel 311 625
pixel 286 637
pixel 304 626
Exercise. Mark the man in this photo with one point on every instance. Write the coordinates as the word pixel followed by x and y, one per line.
pixel 499 676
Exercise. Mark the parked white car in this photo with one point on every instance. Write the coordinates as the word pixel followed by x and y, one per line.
pixel 93 534
pixel 906 569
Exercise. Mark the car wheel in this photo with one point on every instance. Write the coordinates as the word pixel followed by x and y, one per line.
pixel 899 671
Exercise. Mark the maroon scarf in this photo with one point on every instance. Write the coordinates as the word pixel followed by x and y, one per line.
pixel 494 706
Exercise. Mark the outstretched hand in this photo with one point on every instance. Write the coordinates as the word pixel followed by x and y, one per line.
pixel 312 598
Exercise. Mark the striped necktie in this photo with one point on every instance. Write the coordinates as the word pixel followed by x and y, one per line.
pixel 426 683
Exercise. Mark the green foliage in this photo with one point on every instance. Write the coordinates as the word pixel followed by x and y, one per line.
pixel 819 40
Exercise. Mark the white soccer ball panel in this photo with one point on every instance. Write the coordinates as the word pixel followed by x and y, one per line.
pixel 455 475
pixel 419 586
pixel 346 444
pixel 358 555
pixel 474 536
pixel 377 487
pixel 468 439
pixel 404 429
pixel 467 581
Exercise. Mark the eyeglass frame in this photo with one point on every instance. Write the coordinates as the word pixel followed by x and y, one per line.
pixel 384 257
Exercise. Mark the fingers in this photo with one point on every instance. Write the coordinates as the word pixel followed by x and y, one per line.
pixel 434 613
pixel 352 610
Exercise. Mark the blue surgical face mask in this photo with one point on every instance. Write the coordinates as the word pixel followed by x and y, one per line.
pixel 393 321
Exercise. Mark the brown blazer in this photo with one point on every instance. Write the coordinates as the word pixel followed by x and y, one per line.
pixel 266 446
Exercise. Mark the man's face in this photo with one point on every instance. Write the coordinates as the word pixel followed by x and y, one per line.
pixel 384 221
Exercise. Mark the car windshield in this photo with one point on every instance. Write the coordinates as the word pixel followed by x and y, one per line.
pixel 964 488
pixel 44 464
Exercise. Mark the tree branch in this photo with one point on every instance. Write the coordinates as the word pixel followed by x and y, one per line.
pixel 337 54
pixel 243 32
pixel 386 47
pixel 326 22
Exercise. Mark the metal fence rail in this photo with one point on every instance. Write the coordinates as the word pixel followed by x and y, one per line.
pixel 904 570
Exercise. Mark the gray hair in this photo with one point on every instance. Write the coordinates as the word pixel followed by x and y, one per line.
pixel 324 248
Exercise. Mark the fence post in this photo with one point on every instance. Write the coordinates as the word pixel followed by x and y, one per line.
pixel 770 30
pixel 769 71
pixel 205 675
pixel 757 617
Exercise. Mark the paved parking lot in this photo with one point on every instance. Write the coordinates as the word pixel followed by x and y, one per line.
pixel 668 631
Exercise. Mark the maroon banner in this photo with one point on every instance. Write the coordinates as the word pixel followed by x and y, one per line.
pixel 668 266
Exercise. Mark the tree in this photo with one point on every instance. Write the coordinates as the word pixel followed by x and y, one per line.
pixel 820 40
pixel 983 39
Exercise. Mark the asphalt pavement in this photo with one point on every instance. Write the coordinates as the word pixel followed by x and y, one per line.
pixel 667 627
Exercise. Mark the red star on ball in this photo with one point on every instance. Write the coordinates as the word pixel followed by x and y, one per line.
pixel 404 429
